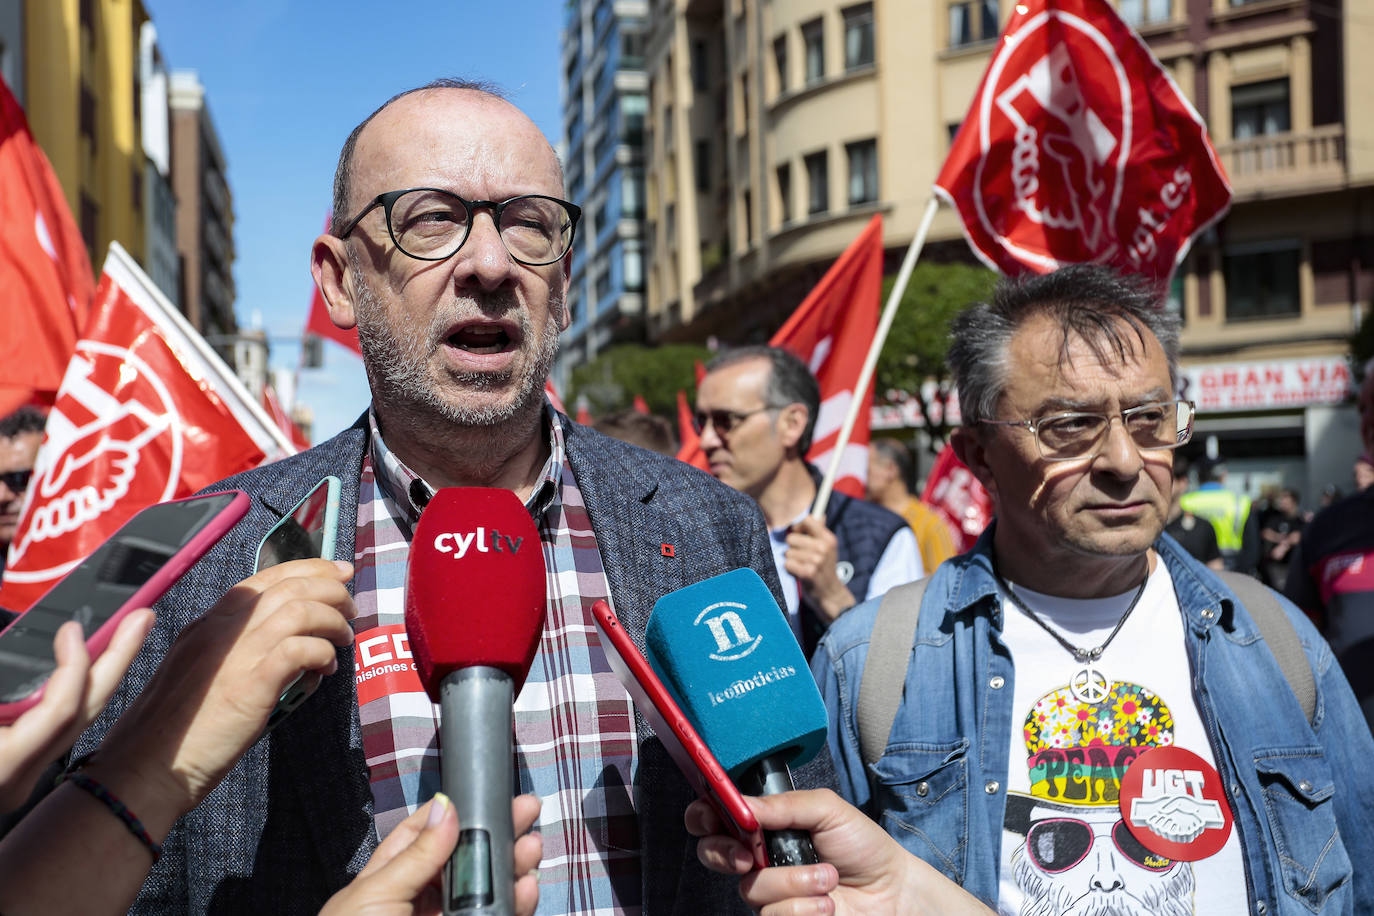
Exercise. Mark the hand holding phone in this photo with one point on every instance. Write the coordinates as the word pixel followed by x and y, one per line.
pixel 75 693
pixel 131 570
pixel 309 530
pixel 210 697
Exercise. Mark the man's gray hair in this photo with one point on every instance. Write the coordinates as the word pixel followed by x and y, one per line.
pixel 789 382
pixel 1108 311
pixel 343 174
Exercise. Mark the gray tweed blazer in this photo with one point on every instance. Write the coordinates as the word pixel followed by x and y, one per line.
pixel 293 821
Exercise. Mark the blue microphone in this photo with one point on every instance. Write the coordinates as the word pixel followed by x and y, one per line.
pixel 726 653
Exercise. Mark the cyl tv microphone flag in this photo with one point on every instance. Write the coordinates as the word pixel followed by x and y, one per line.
pixel 831 332
pixel 1079 148
pixel 45 272
pixel 146 413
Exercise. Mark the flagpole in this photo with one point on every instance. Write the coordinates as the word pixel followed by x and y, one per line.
pixel 871 361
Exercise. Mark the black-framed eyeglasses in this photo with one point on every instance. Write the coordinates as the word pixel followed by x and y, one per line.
pixel 16 481
pixel 722 421
pixel 431 224
pixel 1067 436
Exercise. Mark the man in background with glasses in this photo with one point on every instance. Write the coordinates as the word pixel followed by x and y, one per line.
pixel 20 435
pixel 1083 718
pixel 449 250
pixel 756 412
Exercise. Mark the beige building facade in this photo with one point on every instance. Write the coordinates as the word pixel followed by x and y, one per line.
pixel 776 129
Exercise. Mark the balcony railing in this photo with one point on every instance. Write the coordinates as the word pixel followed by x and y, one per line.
pixel 1286 161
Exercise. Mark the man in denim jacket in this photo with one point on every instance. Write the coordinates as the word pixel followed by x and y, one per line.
pixel 1091 720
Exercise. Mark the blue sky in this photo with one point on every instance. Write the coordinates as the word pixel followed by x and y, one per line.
pixel 286 80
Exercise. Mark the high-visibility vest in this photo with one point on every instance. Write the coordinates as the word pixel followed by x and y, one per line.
pixel 1226 511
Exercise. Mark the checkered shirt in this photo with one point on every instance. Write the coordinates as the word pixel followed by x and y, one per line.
pixel 574 730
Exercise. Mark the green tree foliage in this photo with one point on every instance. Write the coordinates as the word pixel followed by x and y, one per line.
pixel 915 348
pixel 611 380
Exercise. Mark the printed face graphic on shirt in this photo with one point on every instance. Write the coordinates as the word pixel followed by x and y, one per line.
pixel 1078 857
pixel 1082 861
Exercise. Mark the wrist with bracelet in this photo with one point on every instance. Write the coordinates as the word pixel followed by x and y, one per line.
pixel 100 793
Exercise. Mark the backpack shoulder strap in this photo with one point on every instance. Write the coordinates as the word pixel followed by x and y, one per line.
pixel 1279 635
pixel 889 653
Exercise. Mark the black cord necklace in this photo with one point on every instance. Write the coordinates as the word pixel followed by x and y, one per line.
pixel 1089 684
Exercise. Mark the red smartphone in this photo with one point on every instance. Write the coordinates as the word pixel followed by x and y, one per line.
pixel 132 569
pixel 693 757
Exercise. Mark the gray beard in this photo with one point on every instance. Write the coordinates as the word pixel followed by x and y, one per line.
pixel 398 369
pixel 1172 896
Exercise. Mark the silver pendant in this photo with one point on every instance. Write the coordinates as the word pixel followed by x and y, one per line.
pixel 1089 685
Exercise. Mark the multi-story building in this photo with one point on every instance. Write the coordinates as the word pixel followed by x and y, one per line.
pixel 205 213
pixel 605 101
pixel 12 48
pixel 163 262
pixel 82 94
pixel 778 129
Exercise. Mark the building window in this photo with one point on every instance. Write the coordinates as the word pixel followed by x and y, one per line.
pixel 699 69
pixel 1145 12
pixel 863 171
pixel 87 115
pixel 632 194
pixel 632 264
pixel 784 176
pixel 742 122
pixel 780 61
pixel 972 21
pixel 748 209
pixel 632 47
pixel 817 184
pixel 858 36
pixel 813 37
pixel 1262 281
pixel 702 165
pixel 90 219
pixel 1258 109
pixel 603 286
pixel 633 108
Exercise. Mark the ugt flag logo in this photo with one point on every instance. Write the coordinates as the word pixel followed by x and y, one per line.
pixel 1079 149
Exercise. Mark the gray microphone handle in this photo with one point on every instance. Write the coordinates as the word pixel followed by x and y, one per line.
pixel 476 725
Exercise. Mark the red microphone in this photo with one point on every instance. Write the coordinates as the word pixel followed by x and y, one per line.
pixel 475 596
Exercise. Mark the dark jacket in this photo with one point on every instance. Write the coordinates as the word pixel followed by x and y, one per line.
pixel 293 821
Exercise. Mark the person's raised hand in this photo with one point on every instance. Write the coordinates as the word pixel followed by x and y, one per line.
pixel 210 699
pixel 403 876
pixel 74 695
pixel 863 870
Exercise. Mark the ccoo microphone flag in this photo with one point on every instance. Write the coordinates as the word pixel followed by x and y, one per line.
pixel 474 604
pixel 725 651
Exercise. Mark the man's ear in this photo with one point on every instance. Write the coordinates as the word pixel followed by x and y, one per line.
pixel 332 271
pixel 971 449
pixel 791 424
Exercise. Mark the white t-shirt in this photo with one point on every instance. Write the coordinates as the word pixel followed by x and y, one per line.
pixel 1065 845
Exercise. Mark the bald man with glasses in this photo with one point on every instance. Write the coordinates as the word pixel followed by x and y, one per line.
pixel 449 252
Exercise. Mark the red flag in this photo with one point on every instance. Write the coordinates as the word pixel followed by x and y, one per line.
pixel 318 322
pixel 690 450
pixel 272 404
pixel 953 491
pixel 146 412
pixel 641 405
pixel 584 416
pixel 831 332
pixel 45 271
pixel 1079 148
pixel 701 372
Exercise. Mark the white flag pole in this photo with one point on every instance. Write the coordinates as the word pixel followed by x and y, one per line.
pixel 871 361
